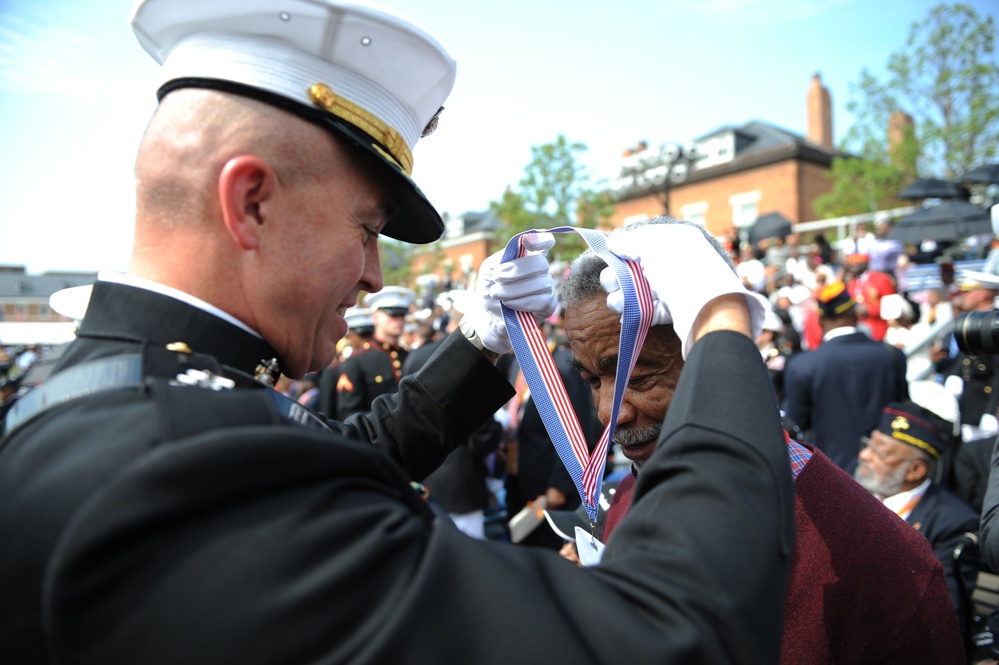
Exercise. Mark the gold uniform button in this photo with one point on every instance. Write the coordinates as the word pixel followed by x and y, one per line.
pixel 396 364
pixel 967 361
pixel 981 367
pixel 394 354
pixel 378 379
pixel 988 389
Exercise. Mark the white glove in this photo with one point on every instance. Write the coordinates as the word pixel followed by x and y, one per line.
pixel 523 284
pixel 684 271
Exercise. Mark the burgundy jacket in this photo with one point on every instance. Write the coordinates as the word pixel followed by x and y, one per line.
pixel 864 587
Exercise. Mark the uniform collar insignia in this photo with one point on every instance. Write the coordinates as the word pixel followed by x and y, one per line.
pixel 267 372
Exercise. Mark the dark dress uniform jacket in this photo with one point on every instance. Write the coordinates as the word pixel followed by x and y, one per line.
pixel 981 386
pixel 370 372
pixel 459 485
pixel 175 524
pixel 944 520
pixel 836 393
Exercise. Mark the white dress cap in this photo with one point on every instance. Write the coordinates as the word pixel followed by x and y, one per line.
pixel 71 302
pixel 358 318
pixel 391 297
pixel 372 75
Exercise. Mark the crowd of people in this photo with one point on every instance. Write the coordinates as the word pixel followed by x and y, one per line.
pixel 237 461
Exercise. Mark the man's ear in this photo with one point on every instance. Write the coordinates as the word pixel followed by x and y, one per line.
pixel 245 183
pixel 917 471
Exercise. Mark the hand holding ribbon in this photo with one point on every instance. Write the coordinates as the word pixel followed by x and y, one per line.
pixel 523 283
pixel 685 272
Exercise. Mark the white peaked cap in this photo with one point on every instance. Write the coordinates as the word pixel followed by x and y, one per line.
pixel 397 297
pixel 357 68
pixel 934 397
pixel 71 302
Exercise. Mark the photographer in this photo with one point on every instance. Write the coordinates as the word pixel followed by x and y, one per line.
pixel 974 377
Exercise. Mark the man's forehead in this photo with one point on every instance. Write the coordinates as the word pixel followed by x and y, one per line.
pixel 886 443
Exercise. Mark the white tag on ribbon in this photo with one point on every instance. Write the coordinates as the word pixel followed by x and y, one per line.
pixel 588 548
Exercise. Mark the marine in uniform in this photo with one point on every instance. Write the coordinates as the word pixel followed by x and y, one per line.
pixel 159 503
pixel 375 368
pixel 975 376
pixel 360 328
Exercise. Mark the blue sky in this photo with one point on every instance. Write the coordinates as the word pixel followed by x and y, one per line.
pixel 76 91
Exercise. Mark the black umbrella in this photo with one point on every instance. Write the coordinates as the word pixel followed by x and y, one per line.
pixel 934 188
pixel 986 174
pixel 951 220
pixel 770 225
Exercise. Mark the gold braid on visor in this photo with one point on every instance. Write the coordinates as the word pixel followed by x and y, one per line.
pixel 323 96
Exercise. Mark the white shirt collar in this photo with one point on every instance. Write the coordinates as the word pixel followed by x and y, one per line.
pixel 839 332
pixel 898 501
pixel 156 287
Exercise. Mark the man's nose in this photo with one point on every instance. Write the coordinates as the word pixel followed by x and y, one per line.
pixel 625 414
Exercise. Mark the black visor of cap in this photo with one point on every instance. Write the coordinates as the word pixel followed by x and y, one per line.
pixel 416 220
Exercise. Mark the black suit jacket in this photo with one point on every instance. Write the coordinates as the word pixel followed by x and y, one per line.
pixel 836 393
pixel 944 520
pixel 175 524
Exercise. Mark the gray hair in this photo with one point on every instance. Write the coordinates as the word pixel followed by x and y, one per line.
pixel 583 281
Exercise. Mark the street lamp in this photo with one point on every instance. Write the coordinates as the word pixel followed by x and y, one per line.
pixel 678 162
pixel 645 170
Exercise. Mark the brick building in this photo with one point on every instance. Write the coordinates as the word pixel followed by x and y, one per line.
pixel 727 178
pixel 723 180
pixel 25 315
pixel 467 241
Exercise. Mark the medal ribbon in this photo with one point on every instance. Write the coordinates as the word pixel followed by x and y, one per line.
pixel 548 391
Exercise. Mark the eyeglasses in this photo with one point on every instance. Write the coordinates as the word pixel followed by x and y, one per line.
pixel 865 443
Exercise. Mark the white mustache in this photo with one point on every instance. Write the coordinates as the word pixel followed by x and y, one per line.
pixel 633 436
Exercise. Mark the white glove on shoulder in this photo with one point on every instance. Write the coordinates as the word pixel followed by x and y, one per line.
pixel 524 284
pixel 684 271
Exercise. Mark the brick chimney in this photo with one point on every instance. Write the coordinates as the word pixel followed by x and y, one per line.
pixel 898 123
pixel 903 155
pixel 819 113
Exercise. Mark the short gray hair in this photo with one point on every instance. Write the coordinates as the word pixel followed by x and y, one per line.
pixel 583 281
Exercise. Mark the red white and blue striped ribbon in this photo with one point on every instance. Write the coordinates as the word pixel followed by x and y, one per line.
pixel 541 374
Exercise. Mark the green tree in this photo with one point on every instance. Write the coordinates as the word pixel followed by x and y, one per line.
pixel 947 79
pixel 870 183
pixel 396 262
pixel 553 192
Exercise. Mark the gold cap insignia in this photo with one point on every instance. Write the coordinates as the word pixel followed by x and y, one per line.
pixel 324 97
pixel 432 125
pixel 900 423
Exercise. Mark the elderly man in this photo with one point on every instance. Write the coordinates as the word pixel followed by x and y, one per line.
pixel 863 587
pixel 898 463
pixel 161 504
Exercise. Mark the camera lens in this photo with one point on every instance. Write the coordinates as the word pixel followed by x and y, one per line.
pixel 977 332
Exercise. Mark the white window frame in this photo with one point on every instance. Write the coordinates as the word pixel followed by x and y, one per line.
pixel 741 204
pixel 695 212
